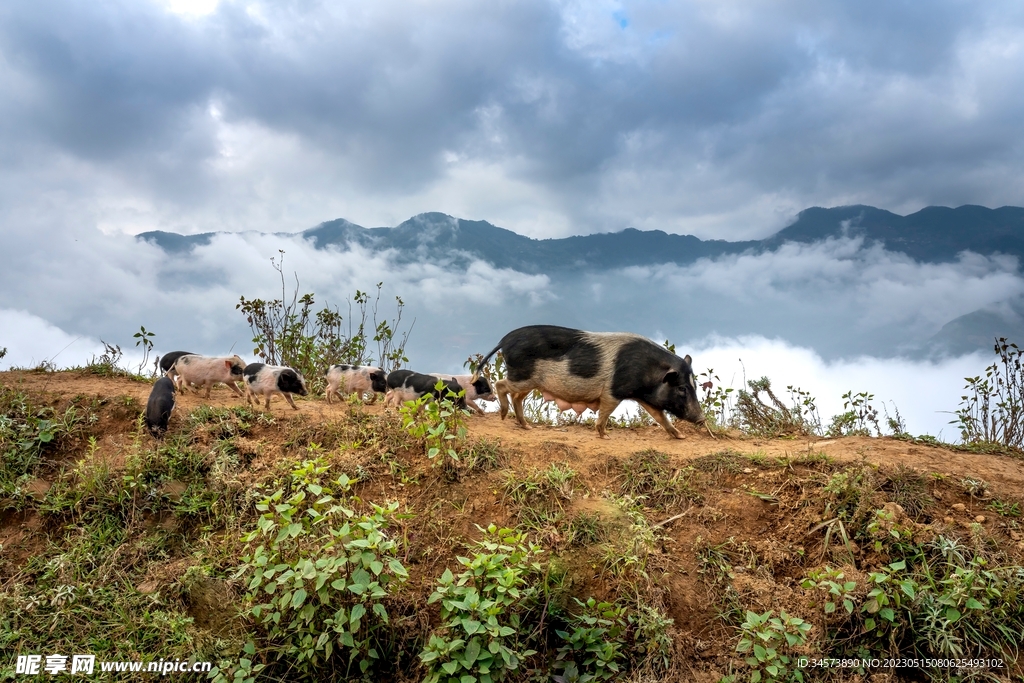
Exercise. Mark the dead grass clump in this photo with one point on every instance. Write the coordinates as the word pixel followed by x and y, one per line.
pixel 721 462
pixel 485 455
pixel 906 487
pixel 537 498
pixel 584 529
pixel 650 475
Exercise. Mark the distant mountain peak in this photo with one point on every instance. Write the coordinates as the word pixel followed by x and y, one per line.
pixel 933 234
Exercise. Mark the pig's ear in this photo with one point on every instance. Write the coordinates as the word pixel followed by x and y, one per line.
pixel 227 364
pixel 689 361
pixel 672 378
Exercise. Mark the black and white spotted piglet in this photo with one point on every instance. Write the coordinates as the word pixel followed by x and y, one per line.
pixel 266 380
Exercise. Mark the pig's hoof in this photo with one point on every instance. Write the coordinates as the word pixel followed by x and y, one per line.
pixel 675 435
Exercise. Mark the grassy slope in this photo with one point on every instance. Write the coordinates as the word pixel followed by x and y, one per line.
pixel 113 544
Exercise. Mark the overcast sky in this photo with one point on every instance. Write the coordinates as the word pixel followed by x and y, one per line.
pixel 720 119
pixel 717 118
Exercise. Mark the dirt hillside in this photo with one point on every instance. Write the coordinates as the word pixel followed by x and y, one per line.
pixel 736 523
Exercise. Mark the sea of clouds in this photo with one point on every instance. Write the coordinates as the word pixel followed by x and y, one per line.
pixel 828 317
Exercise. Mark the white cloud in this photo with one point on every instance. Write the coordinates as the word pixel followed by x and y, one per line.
pixel 924 392
pixel 30 341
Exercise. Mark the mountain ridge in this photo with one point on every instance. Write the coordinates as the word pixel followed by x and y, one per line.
pixel 933 234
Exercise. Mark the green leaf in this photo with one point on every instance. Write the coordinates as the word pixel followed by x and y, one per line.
pixel 379 610
pixel 974 604
pixel 887 613
pixel 953 614
pixel 298 598
pixel 450 667
pixel 396 567
pixel 472 651
pixel 358 610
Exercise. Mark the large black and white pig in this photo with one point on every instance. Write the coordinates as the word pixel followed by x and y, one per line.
pixel 406 385
pixel 596 370
pixel 159 406
pixel 266 380
pixel 168 359
pixel 205 371
pixel 345 380
pixel 480 388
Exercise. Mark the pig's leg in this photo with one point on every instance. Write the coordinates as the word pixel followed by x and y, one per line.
pixel 662 419
pixel 234 387
pixel 608 405
pixel 517 404
pixel 209 385
pixel 502 389
pixel 471 404
pixel 288 397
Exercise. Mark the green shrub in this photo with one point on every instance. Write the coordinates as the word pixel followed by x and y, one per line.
pixel 27 432
pixel 291 333
pixel 319 573
pixel 857 417
pixel 772 417
pixel 483 611
pixel 768 642
pixel 440 423
pixel 594 647
pixel 992 409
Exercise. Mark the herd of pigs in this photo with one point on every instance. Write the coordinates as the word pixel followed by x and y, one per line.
pixel 575 369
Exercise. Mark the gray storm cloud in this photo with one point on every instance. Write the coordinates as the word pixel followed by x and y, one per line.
pixel 551 118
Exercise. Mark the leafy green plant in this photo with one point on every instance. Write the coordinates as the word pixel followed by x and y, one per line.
pixel 717 400
pixel 652 638
pixel 837 591
pixel 857 418
pixel 768 642
pixel 483 610
pixel 144 338
pixel 592 647
pixel 319 573
pixel 439 422
pixel 288 331
pixel 1004 508
pixel 28 431
pixel 992 409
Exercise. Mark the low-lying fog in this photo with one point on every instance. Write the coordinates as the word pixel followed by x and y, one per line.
pixel 828 317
